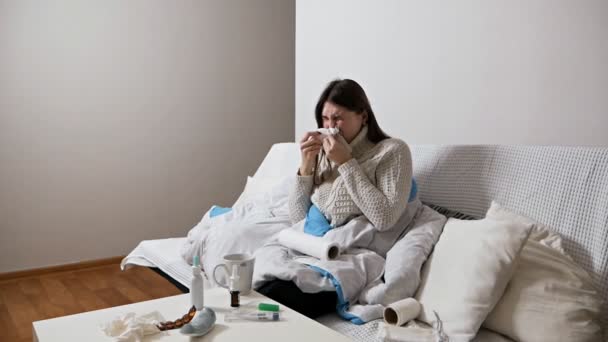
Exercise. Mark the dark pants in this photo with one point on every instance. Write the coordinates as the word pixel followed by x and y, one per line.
pixel 311 305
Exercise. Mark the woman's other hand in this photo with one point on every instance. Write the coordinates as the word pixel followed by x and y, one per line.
pixel 337 149
pixel 310 146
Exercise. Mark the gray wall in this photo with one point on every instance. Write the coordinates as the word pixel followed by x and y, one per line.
pixel 125 120
pixel 463 72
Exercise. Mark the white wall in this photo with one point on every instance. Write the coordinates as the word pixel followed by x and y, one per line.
pixel 463 72
pixel 125 120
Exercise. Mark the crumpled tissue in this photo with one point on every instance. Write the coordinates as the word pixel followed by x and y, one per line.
pixel 132 328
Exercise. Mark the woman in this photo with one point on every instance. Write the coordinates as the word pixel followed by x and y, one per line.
pixel 360 171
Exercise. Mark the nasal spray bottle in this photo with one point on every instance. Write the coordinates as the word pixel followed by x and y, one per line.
pixel 233 287
pixel 204 320
pixel 197 290
pixel 238 315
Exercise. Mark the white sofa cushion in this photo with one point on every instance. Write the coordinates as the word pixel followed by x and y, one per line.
pixel 549 297
pixel 282 160
pixel 561 186
pixel 274 177
pixel 467 273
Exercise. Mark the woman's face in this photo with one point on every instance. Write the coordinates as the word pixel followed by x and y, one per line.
pixel 349 122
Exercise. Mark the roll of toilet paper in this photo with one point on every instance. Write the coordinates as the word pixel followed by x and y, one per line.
pixel 308 244
pixel 402 311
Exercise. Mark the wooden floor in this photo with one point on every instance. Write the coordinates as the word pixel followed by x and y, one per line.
pixel 25 300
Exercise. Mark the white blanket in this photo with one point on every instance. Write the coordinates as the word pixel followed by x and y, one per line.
pixel 374 268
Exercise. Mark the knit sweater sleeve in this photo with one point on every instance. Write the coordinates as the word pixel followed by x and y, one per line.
pixel 299 198
pixel 384 202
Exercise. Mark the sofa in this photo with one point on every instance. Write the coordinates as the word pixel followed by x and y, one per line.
pixel 564 189
pixel 556 285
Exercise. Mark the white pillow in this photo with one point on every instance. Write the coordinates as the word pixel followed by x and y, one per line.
pixel 467 273
pixel 273 192
pixel 282 160
pixel 549 297
pixel 253 187
pixel 540 232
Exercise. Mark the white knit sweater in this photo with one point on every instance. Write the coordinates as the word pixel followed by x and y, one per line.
pixel 376 183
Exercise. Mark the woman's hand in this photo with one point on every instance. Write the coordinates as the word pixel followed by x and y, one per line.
pixel 310 146
pixel 336 149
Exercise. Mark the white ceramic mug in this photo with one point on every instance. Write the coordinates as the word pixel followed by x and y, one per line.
pixel 245 271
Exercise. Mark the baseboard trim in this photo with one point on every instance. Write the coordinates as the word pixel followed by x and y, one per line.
pixel 61 268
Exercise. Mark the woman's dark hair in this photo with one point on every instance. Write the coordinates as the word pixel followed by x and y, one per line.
pixel 349 94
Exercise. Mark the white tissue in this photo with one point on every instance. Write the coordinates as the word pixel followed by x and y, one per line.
pixel 390 333
pixel 325 132
pixel 402 311
pixel 308 244
pixel 132 328
pixel 328 131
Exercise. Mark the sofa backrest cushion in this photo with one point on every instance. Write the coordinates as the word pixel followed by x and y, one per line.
pixel 563 187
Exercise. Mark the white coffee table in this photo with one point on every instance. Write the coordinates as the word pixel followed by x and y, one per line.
pixel 292 326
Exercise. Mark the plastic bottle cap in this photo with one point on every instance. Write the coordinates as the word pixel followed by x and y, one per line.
pixel 196 268
pixel 268 307
pixel 234 278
